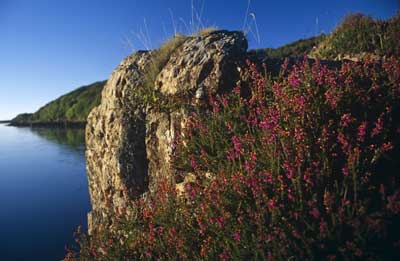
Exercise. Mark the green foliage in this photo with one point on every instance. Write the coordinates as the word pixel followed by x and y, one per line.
pixel 295 49
pixel 72 107
pixel 24 117
pixel 360 34
pixel 159 59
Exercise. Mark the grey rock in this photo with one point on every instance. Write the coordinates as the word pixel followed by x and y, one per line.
pixel 130 144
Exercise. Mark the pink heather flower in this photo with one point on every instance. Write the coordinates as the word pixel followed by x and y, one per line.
pixel 358 252
pixel 236 236
pixel 237 146
pixel 228 126
pixel 266 125
pixel 321 75
pixel 387 146
pixel 231 155
pixel 277 89
pixel 290 195
pixel 327 201
pixel 331 98
pixel 271 121
pixel 345 120
pixel 331 257
pixel 296 234
pixel 323 228
pixel 289 169
pixel 267 177
pixel 315 213
pixel 220 222
pixel 345 171
pixel 271 204
pixel 294 81
pixel 236 90
pixel 394 203
pixel 362 129
pixel 253 156
pixel 193 163
pixel 190 191
pixel 252 183
pixel 300 103
pixel 224 255
pixel 298 134
pixel 250 164
pixel 224 101
pixel 378 127
pixel 343 141
pixel 382 189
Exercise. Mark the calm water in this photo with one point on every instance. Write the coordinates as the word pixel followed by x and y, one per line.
pixel 43 191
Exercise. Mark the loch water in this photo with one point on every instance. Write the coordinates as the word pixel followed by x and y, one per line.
pixel 43 191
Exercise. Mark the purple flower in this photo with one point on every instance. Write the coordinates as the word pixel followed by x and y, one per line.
pixel 236 236
pixel 237 146
pixel 362 129
pixel 378 127
pixel 315 213
pixel 345 171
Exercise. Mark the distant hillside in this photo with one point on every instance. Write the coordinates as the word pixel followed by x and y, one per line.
pixel 72 107
pixel 295 49
pixel 359 35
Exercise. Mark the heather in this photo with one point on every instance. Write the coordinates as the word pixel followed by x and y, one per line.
pixel 303 165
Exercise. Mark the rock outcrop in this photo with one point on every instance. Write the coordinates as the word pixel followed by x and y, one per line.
pixel 116 155
pixel 130 143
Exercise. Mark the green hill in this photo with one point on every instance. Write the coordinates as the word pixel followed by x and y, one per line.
pixel 72 108
pixel 295 49
pixel 359 35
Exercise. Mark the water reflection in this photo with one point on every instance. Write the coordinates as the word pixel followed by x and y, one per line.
pixel 71 138
pixel 43 191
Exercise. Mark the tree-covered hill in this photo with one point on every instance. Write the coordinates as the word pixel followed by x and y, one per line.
pixel 358 35
pixel 294 49
pixel 72 108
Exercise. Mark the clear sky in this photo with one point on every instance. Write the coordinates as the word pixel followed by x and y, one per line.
pixel 50 47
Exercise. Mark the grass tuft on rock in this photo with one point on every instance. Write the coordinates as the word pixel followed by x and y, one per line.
pixel 159 59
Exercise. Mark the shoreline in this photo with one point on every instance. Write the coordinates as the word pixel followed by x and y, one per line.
pixel 47 124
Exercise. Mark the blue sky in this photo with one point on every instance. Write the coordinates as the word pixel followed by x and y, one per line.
pixel 50 47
